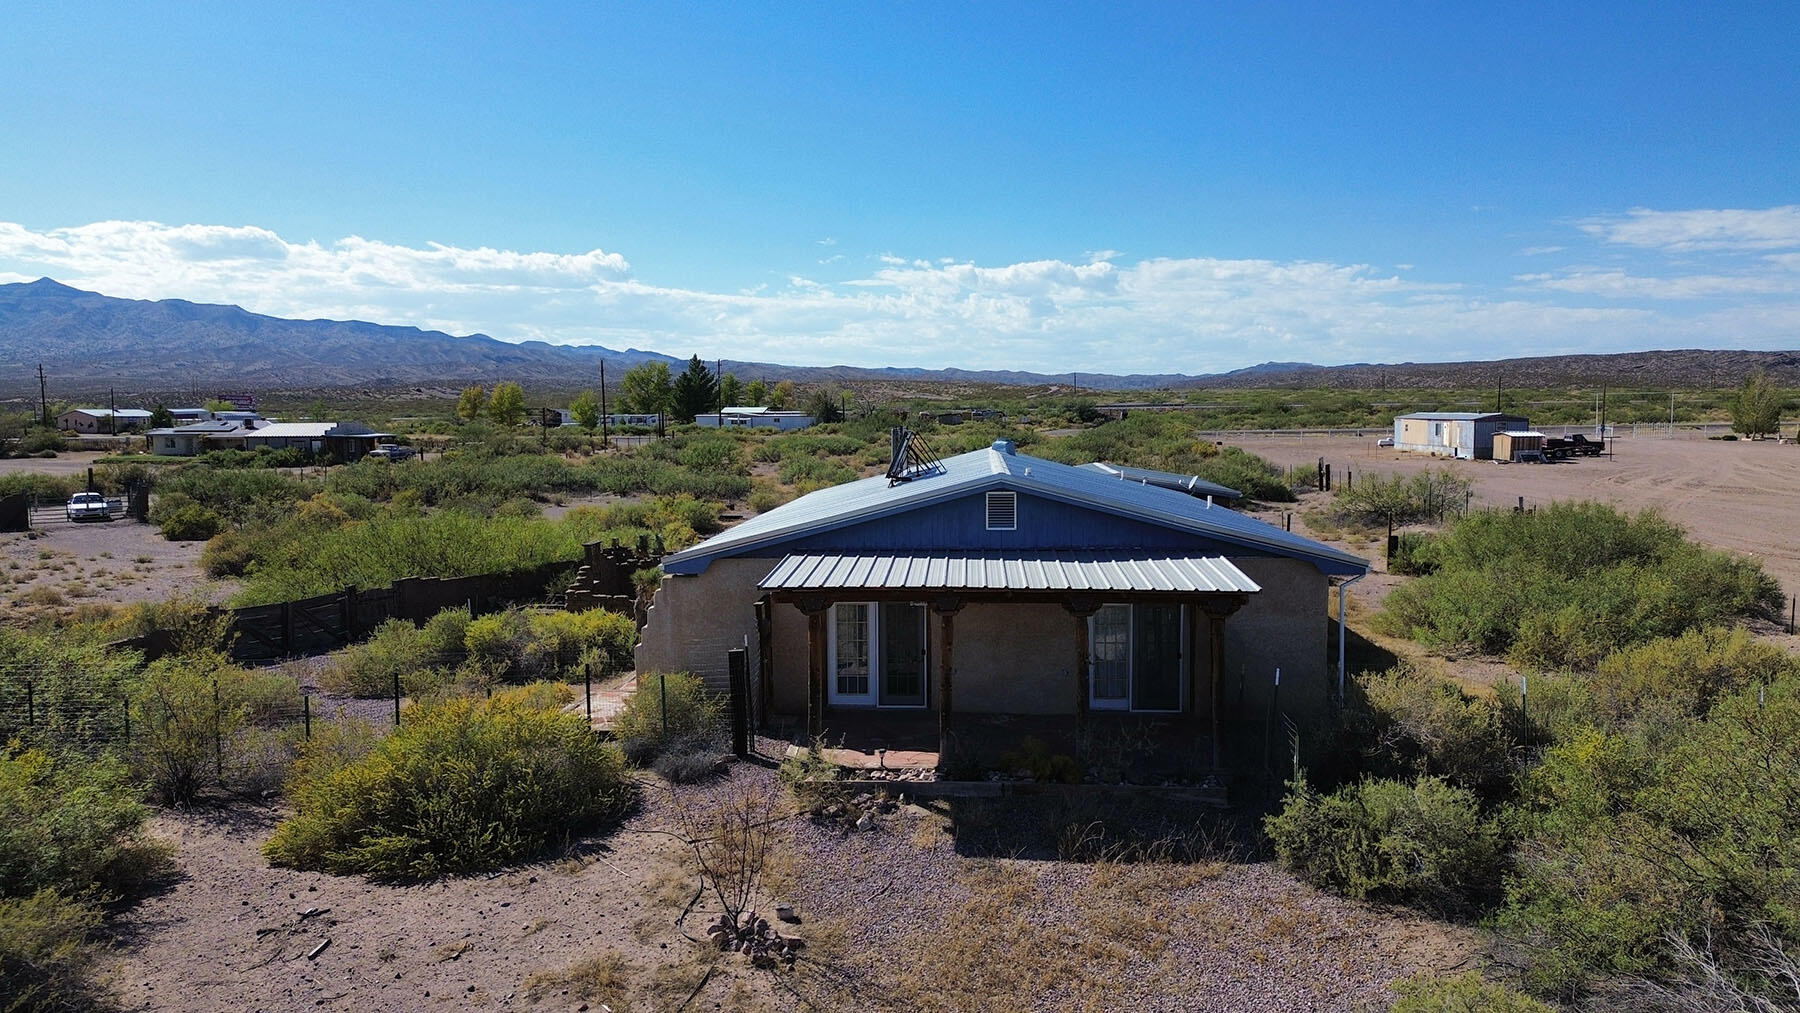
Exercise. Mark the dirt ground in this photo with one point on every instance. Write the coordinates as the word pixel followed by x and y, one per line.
pixel 1731 495
pixel 595 928
pixel 60 566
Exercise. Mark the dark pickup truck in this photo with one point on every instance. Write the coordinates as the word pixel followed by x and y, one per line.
pixel 1561 448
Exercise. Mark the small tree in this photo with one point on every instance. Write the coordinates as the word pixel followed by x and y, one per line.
pixel 472 404
pixel 696 390
pixel 586 409
pixel 756 393
pixel 731 391
pixel 782 396
pixel 1756 410
pixel 161 417
pixel 823 406
pixel 507 406
pixel 646 388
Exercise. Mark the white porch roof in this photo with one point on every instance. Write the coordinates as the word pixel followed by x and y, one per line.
pixel 1057 571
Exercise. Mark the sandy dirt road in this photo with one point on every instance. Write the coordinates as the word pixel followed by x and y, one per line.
pixel 1741 495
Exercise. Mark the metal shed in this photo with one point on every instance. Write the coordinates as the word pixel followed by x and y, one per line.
pixel 1465 435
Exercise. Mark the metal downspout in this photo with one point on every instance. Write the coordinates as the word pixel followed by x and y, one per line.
pixel 1343 629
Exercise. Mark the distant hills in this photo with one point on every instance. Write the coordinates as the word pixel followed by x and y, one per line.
pixel 90 342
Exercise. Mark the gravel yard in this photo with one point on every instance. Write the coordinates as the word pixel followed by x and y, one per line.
pixel 896 917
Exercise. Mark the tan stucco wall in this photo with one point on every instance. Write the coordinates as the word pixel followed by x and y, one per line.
pixel 1283 625
pixel 694 620
pixel 1009 658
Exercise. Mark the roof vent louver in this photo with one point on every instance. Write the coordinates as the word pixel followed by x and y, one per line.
pixel 909 457
pixel 1002 511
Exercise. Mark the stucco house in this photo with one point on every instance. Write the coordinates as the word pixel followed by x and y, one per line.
pixel 994 584
pixel 339 441
pixel 193 438
pixel 1465 435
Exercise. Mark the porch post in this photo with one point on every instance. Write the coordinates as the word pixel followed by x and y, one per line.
pixel 1082 609
pixel 1218 609
pixel 815 610
pixel 946 609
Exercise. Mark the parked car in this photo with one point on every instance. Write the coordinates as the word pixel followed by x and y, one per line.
pixel 1385 441
pixel 392 452
pixel 89 506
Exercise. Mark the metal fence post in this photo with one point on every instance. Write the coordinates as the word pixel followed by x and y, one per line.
pixel 306 713
pixel 662 684
pixel 397 697
pixel 125 708
pixel 737 663
pixel 218 736
pixel 30 707
pixel 587 672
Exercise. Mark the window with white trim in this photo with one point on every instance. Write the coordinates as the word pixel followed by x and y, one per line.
pixel 1002 511
pixel 1136 657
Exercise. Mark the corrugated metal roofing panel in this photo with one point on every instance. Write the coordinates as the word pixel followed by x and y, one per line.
pixel 1041 572
pixel 965 474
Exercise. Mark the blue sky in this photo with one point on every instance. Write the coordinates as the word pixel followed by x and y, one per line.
pixel 1083 187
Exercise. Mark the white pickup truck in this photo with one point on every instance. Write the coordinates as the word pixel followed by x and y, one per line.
pixel 89 506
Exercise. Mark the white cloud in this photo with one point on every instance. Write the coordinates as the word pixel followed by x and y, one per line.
pixel 1191 314
pixel 1538 251
pixel 1700 229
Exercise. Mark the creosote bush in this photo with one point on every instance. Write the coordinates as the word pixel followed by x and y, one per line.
pixel 462 786
pixel 1463 993
pixel 693 716
pixel 1423 843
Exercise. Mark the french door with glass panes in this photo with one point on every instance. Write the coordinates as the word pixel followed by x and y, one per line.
pixel 1136 658
pixel 878 654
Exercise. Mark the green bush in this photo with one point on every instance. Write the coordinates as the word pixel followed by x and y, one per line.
pixel 1681 677
pixel 693 714
pixel 397 653
pixel 462 786
pixel 46 955
pixel 1415 724
pixel 227 554
pixel 194 709
pixel 1424 843
pixel 1465 993
pixel 72 825
pixel 189 522
pixel 47 488
pixel 42 442
pixel 78 684
pixel 1627 842
pixel 1374 499
pixel 1567 585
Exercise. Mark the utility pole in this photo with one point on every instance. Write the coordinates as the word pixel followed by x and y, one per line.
pixel 43 399
pixel 112 409
pixel 603 404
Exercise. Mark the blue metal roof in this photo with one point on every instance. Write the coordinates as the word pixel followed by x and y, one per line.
pixel 1459 416
pixel 845 506
pixel 1193 485
pixel 1061 571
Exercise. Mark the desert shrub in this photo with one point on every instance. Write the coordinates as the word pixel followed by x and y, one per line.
pixel 1033 757
pixel 235 494
pixel 42 442
pixel 1625 843
pixel 1375 499
pixel 194 707
pixel 227 554
pixel 396 653
pixel 820 470
pixel 764 498
pixel 73 825
pixel 1464 993
pixel 498 640
pixel 1567 585
pixel 462 786
pixel 690 759
pixel 565 638
pixel 1423 843
pixel 692 713
pixel 186 622
pixel 78 686
pixel 1680 677
pixel 1415 724
pixel 443 633
pixel 47 488
pixel 188 522
pixel 45 953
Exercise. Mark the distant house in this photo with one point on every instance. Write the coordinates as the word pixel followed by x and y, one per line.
pixel 1193 485
pixel 193 438
pixel 338 441
pixel 1465 435
pixel 103 420
pixel 993 592
pixel 185 415
pixel 754 417
pixel 649 421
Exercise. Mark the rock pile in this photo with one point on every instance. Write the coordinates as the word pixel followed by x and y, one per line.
pixel 751 935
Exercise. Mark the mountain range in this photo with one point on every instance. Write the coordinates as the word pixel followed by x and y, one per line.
pixel 91 342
